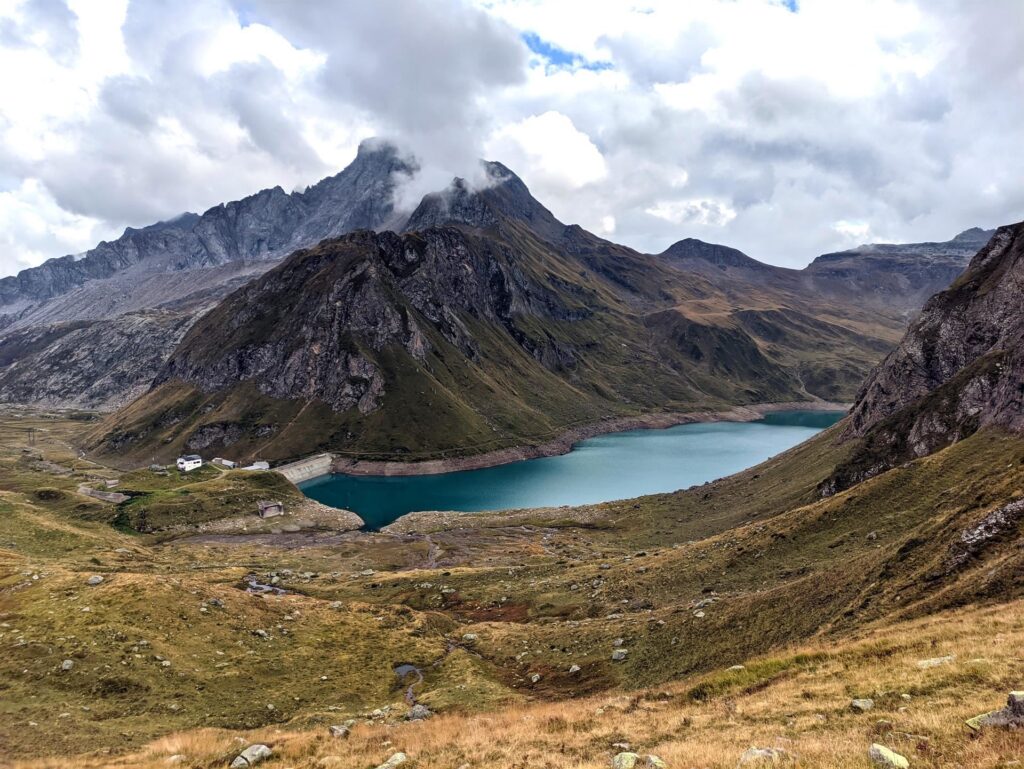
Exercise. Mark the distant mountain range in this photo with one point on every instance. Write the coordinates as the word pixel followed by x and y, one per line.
pixel 485 322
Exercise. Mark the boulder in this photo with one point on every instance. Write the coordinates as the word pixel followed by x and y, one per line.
pixel 862 705
pixel 251 756
pixel 396 760
pixel 887 759
pixel 340 731
pixel 469 638
pixel 619 655
pixel 754 756
pixel 574 669
pixel 625 761
pixel 66 665
pixel 95 579
pixel 419 713
pixel 1010 716
pixel 653 762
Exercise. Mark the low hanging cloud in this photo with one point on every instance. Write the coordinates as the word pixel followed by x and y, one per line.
pixel 783 129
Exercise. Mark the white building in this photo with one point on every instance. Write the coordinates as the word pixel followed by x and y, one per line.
pixel 189 462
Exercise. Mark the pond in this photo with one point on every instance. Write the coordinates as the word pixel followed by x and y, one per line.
pixel 613 466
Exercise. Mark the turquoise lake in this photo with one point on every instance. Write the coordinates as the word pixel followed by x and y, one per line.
pixel 613 466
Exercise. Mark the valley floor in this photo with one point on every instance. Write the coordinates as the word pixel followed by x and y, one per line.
pixel 127 634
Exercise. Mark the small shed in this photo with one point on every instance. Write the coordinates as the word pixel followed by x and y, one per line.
pixel 228 463
pixel 269 508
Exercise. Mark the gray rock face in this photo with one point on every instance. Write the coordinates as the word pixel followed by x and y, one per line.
pixel 93 331
pixel 97 365
pixel 959 368
pixel 900 276
pixel 260 228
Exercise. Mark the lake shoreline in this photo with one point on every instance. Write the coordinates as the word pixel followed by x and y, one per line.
pixel 330 465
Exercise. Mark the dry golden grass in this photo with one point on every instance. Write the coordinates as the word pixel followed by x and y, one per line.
pixel 798 700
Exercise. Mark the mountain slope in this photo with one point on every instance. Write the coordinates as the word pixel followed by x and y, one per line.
pixel 959 368
pixel 490 326
pixel 101 364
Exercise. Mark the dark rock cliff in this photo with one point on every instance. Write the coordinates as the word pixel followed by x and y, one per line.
pixel 959 368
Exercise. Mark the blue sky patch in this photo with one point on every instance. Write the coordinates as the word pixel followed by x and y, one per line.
pixel 559 57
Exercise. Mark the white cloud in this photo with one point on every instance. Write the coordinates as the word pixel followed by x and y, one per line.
pixel 556 155
pixel 784 134
pixel 33 227
pixel 712 213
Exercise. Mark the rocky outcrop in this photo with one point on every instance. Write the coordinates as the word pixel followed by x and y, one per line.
pixel 960 367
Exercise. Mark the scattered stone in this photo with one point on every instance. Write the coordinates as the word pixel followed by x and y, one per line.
pixel 395 760
pixel 619 642
pixel 419 713
pixel 888 759
pixel 763 756
pixel 367 573
pixel 934 662
pixel 862 705
pixel 736 668
pixel 653 762
pixel 95 579
pixel 251 756
pixel 66 665
pixel 574 669
pixel 619 655
pixel 535 678
pixel 625 761
pixel 1010 716
pixel 176 759
pixel 340 731
pixel 470 638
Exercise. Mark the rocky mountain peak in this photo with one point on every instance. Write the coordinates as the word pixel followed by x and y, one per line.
pixel 501 197
pixel 690 250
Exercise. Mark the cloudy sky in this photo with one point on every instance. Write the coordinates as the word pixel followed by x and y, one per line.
pixel 786 128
